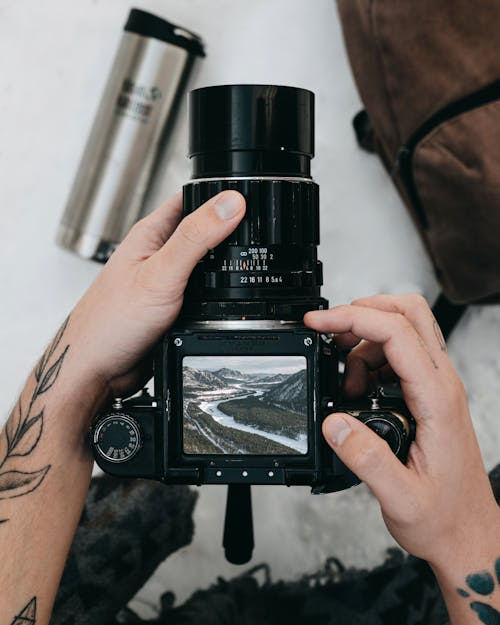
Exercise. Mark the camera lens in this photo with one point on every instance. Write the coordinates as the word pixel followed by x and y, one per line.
pixel 258 140
pixel 251 130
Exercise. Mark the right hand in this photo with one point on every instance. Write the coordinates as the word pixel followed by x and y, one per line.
pixel 441 504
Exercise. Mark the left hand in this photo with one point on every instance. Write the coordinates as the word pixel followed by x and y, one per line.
pixel 139 293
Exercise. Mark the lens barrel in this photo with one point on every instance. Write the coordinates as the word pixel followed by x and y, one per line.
pixel 258 140
pixel 251 130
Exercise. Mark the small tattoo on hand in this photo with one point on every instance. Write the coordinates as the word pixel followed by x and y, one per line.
pixel 27 616
pixel 422 344
pixel 439 336
pixel 483 583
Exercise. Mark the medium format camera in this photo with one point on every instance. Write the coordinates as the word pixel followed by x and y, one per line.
pixel 241 386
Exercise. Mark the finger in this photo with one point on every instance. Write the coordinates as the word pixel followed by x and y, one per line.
pixel 417 311
pixel 346 341
pixel 368 456
pixel 363 360
pixel 200 231
pixel 150 233
pixel 365 372
pixel 402 346
pixel 166 217
pixel 385 375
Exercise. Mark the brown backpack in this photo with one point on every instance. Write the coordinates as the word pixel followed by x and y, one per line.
pixel 428 73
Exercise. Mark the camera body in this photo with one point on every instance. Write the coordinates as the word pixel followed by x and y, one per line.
pixel 271 431
pixel 241 386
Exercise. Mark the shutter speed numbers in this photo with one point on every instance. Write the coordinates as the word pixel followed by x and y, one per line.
pixel 118 438
pixel 253 259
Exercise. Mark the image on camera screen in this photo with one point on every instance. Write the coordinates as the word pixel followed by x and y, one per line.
pixel 253 405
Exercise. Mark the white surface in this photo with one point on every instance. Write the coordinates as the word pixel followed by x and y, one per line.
pixel 55 58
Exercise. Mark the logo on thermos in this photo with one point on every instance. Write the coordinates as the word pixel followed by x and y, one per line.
pixel 137 101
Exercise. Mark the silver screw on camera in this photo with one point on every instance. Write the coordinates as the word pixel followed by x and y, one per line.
pixel 375 397
pixel 177 342
pixel 117 403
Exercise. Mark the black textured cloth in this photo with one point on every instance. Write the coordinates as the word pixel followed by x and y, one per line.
pixel 127 529
pixel 402 591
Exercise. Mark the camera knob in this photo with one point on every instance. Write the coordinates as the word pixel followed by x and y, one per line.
pixel 117 437
pixel 391 426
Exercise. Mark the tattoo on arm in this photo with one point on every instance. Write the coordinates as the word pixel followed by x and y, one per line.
pixel 439 336
pixel 483 583
pixel 27 616
pixel 24 427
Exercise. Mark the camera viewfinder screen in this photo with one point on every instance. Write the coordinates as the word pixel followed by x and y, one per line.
pixel 251 405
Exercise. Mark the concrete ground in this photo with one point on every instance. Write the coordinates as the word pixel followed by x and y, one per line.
pixel 56 56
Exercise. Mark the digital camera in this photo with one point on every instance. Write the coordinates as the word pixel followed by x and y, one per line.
pixel 241 386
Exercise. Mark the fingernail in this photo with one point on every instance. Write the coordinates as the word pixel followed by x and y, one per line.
pixel 337 430
pixel 228 205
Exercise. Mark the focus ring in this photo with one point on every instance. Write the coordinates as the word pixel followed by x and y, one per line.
pixel 279 211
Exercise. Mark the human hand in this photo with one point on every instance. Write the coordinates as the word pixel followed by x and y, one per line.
pixel 139 292
pixel 440 506
pixel 95 354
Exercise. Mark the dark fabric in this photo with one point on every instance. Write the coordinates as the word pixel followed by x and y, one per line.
pixel 401 592
pixel 127 529
pixel 412 60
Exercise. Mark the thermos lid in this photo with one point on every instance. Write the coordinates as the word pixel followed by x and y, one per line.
pixel 149 25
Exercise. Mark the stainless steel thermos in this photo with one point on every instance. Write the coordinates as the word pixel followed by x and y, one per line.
pixel 147 80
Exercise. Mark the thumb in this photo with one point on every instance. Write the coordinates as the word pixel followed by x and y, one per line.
pixel 368 456
pixel 197 233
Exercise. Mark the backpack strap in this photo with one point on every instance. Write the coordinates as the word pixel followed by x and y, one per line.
pixel 363 129
pixel 447 314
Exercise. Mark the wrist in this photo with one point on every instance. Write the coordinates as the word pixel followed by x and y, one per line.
pixel 472 546
pixel 84 390
pixel 77 390
pixel 82 383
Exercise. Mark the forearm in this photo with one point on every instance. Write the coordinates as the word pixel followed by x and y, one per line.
pixel 45 469
pixel 469 574
pixel 102 352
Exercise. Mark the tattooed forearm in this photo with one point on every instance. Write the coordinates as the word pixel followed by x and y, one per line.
pixel 24 427
pixel 27 616
pixel 483 584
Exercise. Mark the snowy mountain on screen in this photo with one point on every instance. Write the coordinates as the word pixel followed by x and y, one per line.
pixel 291 393
pixel 231 375
pixel 198 381
pixel 271 378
